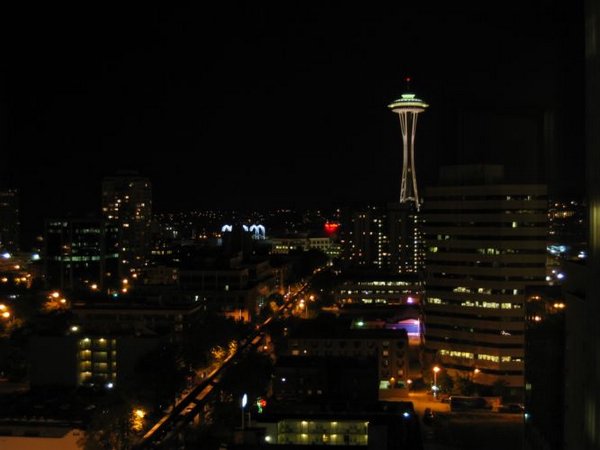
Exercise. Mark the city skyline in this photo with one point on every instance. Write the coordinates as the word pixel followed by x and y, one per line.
pixel 280 107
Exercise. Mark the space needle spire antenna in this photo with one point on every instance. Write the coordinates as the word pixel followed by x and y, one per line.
pixel 408 107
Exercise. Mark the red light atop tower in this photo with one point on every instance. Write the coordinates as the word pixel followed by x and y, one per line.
pixel 331 227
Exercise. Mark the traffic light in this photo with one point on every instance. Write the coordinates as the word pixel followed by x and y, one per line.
pixel 260 404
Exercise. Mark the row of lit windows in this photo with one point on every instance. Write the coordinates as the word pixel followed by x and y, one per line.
pixel 403 291
pixel 493 305
pixel 480 356
pixel 474 304
pixel 468 290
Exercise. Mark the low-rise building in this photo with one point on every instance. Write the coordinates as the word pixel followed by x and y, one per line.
pixel 336 338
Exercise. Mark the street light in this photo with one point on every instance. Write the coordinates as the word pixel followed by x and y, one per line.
pixel 244 403
pixel 436 369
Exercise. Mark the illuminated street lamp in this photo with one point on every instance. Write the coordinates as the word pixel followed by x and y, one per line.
pixel 244 403
pixel 436 369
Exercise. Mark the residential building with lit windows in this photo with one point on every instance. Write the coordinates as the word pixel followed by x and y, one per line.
pixel 86 359
pixel 387 426
pixel 486 243
pixel 127 204
pixel 387 238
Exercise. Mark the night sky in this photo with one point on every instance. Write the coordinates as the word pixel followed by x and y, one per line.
pixel 282 104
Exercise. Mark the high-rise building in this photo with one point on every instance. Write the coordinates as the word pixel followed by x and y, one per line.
pixel 486 242
pixel 405 249
pixel 385 238
pixel 364 238
pixel 127 205
pixel 9 220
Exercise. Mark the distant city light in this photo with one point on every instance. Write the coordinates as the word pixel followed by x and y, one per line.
pixel 6 255
pixel 35 257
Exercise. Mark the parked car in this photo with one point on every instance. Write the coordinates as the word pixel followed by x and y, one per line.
pixel 514 408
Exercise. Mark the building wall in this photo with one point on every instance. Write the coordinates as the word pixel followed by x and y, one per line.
pixel 582 390
pixel 53 361
pixel 485 244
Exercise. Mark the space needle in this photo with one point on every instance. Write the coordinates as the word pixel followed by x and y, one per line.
pixel 408 107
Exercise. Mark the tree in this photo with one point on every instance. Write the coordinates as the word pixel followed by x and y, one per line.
pixel 158 377
pixel 464 385
pixel 203 336
pixel 110 426
pixel 445 381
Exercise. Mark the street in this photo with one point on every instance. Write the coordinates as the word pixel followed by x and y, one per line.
pixel 467 430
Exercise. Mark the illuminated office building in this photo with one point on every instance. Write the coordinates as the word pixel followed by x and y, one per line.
pixel 79 253
pixel 486 242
